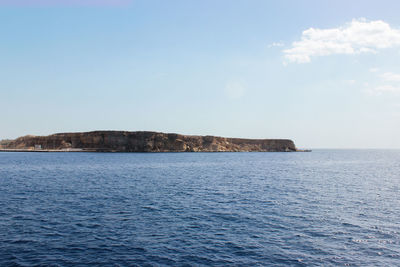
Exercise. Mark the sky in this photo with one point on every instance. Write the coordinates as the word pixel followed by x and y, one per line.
pixel 322 73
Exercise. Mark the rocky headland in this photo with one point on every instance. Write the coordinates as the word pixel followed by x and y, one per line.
pixel 123 141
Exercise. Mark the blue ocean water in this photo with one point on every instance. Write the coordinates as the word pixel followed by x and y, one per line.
pixel 327 207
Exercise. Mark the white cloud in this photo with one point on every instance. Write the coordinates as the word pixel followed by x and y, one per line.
pixel 390 77
pixel 234 90
pixel 358 36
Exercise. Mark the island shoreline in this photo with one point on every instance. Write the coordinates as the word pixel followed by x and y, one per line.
pixel 143 141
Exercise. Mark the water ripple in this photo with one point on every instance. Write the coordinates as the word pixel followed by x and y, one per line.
pixel 200 209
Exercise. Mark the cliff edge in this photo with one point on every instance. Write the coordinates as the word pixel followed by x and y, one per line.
pixel 123 141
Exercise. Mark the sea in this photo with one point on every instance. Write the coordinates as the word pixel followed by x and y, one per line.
pixel 322 208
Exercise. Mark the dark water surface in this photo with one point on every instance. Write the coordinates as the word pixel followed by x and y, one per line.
pixel 328 207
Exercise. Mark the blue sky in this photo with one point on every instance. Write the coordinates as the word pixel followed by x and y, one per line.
pixel 323 73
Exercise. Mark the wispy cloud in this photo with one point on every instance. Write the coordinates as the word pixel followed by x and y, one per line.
pixel 390 77
pixel 387 88
pixel 350 82
pixel 388 82
pixel 43 3
pixel 373 70
pixel 276 44
pixel 358 36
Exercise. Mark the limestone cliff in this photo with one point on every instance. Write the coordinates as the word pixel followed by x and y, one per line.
pixel 123 141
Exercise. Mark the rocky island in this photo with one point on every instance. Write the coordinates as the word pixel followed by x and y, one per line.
pixel 142 141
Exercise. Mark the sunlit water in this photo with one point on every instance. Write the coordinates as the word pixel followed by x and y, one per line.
pixel 328 207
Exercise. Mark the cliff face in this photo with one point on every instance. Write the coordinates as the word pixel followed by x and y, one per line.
pixel 121 141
